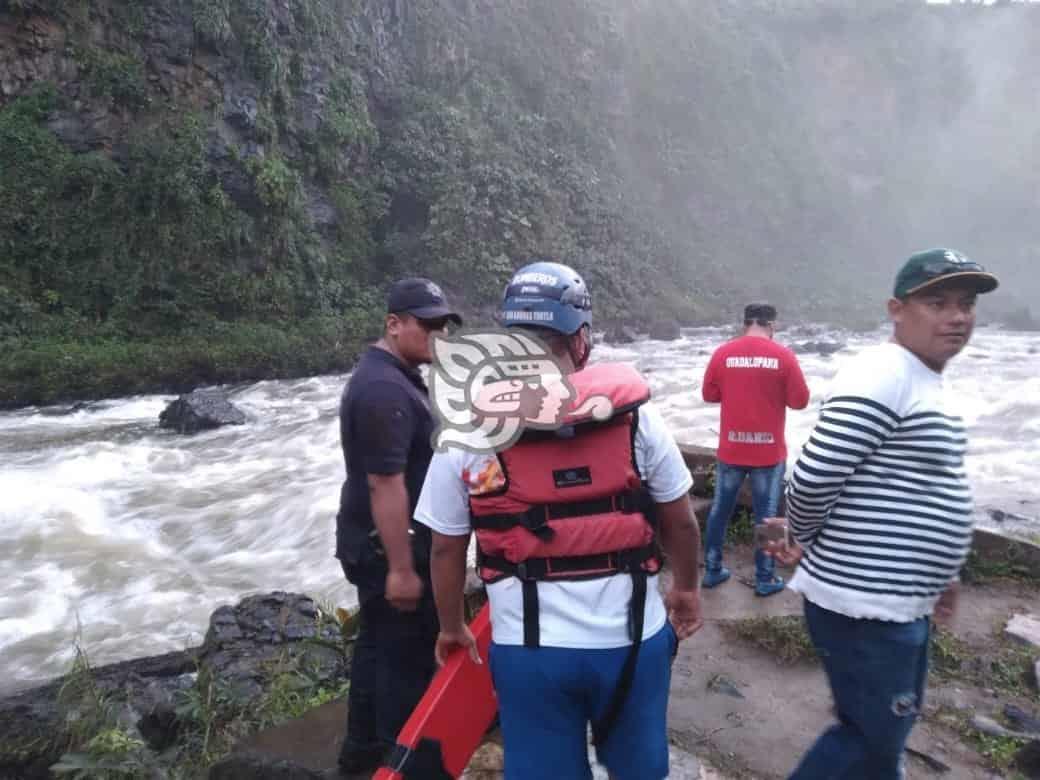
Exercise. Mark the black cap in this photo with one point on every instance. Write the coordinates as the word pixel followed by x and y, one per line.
pixel 764 312
pixel 421 298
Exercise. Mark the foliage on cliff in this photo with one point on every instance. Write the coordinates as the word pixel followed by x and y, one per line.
pixel 204 173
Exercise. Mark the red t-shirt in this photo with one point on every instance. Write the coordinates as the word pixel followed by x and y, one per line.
pixel 756 379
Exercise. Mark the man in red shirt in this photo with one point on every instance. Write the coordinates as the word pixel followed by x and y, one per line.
pixel 755 379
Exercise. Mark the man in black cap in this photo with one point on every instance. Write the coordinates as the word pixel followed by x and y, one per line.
pixel 880 506
pixel 385 430
pixel 756 380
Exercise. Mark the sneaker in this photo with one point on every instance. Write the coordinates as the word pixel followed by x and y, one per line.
pixel 715 577
pixel 769 587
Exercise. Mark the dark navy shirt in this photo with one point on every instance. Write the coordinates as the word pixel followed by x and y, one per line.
pixel 385 428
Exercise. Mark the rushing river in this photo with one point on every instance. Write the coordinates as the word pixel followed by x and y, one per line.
pixel 124 538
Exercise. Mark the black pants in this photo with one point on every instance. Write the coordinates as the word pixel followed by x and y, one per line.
pixel 392 665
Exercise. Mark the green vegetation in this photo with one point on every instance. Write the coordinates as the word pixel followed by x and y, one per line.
pixel 1002 664
pixel 784 637
pixel 278 162
pixel 979 569
pixel 52 369
pixel 211 718
pixel 1000 752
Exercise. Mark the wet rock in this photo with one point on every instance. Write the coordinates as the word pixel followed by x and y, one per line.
pixel 985 725
pixel 820 347
pixel 665 330
pixel 246 646
pixel 232 174
pixel 1025 628
pixel 1027 760
pixel 1036 674
pixel 200 410
pixel 1000 516
pixel 930 761
pixel 156 708
pixel 1021 720
pixel 247 766
pixel 321 211
pixel 720 683
pixel 137 689
pixel 620 334
pixel 245 643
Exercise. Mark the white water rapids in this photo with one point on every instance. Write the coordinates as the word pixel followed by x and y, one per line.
pixel 125 538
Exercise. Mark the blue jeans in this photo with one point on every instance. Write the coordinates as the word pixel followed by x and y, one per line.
pixel 547 696
pixel 877 672
pixel 766 483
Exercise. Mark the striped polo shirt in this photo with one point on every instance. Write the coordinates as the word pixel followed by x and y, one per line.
pixel 878 498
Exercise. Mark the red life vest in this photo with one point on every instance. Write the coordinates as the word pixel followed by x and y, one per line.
pixel 572 505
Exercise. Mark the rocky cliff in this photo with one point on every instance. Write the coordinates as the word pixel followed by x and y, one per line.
pixel 215 190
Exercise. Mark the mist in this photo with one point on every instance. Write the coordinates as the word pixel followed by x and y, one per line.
pixel 801 151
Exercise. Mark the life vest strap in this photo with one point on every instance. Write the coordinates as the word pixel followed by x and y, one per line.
pixel 636 614
pixel 533 569
pixel 536 518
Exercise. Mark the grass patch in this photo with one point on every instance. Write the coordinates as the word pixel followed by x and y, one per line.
pixel 979 570
pixel 211 718
pixel 784 637
pixel 1000 752
pixel 741 528
pixel 52 370
pixel 1003 664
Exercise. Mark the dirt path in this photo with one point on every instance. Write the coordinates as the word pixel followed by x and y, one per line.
pixel 785 706
pixel 738 712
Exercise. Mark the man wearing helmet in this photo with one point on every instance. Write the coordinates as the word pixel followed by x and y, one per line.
pixel 570 522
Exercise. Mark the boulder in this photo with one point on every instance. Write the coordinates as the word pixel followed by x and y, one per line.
pixel 200 410
pixel 245 642
pixel 245 645
pixel 1027 760
pixel 33 721
pixel 820 347
pixel 665 330
pixel 620 334
pixel 1025 628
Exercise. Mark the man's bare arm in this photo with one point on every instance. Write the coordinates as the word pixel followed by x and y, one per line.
pixel 448 571
pixel 681 541
pixel 389 497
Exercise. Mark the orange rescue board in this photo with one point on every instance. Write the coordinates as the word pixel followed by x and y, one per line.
pixel 454 714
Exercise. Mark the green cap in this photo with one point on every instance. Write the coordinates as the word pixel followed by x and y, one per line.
pixel 933 266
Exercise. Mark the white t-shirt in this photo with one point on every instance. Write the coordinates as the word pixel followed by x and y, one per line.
pixel 591 614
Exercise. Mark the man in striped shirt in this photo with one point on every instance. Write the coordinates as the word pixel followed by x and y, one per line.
pixel 882 512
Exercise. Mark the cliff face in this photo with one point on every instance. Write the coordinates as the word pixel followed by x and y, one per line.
pixel 246 159
pixel 191 167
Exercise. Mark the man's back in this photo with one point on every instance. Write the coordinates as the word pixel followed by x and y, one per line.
pixel 755 379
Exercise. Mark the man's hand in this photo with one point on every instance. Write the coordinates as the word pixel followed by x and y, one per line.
pixel 946 606
pixel 684 611
pixel 404 589
pixel 786 553
pixel 449 641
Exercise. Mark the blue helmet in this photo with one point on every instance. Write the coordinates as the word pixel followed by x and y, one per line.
pixel 547 295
